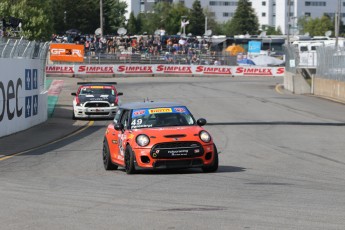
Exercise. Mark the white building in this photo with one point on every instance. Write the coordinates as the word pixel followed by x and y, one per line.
pixel 269 12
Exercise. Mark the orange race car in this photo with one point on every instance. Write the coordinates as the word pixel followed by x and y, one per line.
pixel 156 135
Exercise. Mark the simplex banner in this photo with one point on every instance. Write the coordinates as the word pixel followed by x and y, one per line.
pixel 162 69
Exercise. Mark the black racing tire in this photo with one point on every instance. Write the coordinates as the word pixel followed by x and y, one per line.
pixel 214 166
pixel 73 116
pixel 108 165
pixel 129 160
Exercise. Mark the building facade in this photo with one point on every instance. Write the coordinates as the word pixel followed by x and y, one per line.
pixel 270 12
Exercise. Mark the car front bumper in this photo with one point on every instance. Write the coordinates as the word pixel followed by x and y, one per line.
pixel 95 112
pixel 144 159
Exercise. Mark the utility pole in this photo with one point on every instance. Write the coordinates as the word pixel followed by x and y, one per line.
pixel 288 22
pixel 337 23
pixel 101 16
pixel 205 25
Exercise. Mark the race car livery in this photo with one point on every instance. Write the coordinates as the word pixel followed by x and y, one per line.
pixel 158 135
pixel 96 100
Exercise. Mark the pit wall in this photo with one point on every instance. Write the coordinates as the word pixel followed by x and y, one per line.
pixel 163 70
pixel 23 100
pixel 296 83
pixel 329 88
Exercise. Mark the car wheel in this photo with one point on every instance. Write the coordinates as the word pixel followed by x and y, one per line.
pixel 73 117
pixel 214 166
pixel 129 160
pixel 108 165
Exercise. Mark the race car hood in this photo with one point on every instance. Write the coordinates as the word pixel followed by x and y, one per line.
pixel 96 97
pixel 180 133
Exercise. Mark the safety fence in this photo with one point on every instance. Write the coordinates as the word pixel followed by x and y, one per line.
pixel 331 63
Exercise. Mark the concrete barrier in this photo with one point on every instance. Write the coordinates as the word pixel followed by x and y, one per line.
pixel 296 83
pixel 329 88
pixel 23 100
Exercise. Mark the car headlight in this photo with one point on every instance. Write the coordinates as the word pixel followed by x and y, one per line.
pixel 205 136
pixel 142 140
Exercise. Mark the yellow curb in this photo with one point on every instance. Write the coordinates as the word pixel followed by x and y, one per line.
pixel 278 88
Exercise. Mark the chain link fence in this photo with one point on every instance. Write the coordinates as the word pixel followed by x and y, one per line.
pixel 331 63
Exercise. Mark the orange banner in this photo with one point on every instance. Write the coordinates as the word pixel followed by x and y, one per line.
pixel 66 52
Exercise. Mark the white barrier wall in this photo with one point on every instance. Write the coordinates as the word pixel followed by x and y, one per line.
pixel 137 69
pixel 23 102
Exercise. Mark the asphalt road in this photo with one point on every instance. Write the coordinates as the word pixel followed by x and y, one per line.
pixel 282 166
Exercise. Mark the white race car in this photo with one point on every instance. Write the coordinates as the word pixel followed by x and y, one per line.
pixel 96 100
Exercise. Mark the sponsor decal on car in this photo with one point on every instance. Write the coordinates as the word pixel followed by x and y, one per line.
pixel 160 110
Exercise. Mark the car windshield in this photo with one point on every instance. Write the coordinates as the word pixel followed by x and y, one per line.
pixel 96 90
pixel 161 117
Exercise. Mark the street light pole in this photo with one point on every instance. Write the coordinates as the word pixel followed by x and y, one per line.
pixel 101 15
pixel 288 22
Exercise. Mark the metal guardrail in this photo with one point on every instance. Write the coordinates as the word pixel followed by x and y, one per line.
pixel 147 58
pixel 21 48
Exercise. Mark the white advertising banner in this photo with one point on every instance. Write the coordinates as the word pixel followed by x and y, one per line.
pixel 23 102
pixel 162 69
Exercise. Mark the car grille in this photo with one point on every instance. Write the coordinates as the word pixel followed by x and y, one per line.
pixel 178 163
pixel 96 113
pixel 96 104
pixel 173 150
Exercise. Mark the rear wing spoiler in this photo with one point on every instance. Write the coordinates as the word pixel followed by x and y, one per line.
pixel 103 83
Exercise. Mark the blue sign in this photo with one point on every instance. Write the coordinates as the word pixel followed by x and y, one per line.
pixel 28 106
pixel 34 79
pixel 27 79
pixel 254 47
pixel 35 105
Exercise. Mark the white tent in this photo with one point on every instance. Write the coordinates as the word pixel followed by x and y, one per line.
pixel 267 61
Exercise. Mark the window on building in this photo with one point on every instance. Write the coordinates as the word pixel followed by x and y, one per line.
pixel 315 3
pixel 263 3
pixel 263 14
pixel 223 3
pixel 308 14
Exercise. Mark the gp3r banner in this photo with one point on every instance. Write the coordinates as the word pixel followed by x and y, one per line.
pixel 66 52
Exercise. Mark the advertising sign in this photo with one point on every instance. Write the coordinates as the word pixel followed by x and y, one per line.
pixel 66 52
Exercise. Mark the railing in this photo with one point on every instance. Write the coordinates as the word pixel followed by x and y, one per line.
pixel 21 48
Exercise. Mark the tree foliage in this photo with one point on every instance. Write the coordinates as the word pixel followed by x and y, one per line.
pixel 196 19
pixel 315 26
pixel 35 15
pixel 244 21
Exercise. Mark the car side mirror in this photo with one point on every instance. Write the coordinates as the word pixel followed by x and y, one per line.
pixel 201 121
pixel 73 94
pixel 119 94
pixel 119 127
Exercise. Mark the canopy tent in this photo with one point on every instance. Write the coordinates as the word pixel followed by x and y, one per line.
pixel 245 61
pixel 264 60
pixel 73 32
pixel 234 49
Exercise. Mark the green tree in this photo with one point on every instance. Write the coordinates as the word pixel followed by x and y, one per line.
pixel 318 26
pixel 114 15
pixel 132 26
pixel 166 16
pixel 271 30
pixel 196 19
pixel 36 17
pixel 244 20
